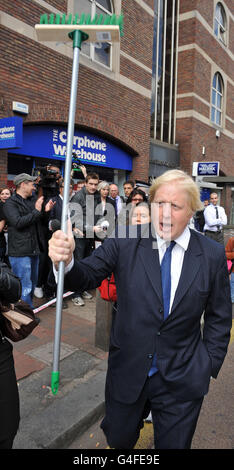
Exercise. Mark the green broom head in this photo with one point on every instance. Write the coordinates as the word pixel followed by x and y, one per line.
pixel 83 19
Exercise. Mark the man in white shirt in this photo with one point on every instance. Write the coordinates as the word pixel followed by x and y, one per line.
pixel 114 194
pixel 215 219
pixel 167 277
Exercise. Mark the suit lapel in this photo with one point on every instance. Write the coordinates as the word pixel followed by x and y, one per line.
pixel 191 265
pixel 150 260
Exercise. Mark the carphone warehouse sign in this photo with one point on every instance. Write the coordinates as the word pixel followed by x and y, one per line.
pixel 11 129
pixel 51 142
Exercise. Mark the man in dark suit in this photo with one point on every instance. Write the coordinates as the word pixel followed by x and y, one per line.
pixel 160 358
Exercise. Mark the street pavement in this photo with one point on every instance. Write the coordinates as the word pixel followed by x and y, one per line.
pixel 51 421
pixel 54 421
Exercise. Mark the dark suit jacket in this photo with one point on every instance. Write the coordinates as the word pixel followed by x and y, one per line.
pixel 185 359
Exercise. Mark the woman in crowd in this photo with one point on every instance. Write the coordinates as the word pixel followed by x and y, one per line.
pixel 106 209
pixel 140 213
pixel 137 196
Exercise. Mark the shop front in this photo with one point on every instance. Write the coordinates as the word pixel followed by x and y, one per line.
pixel 43 144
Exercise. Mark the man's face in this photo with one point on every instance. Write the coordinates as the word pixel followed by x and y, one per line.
pixel 214 199
pixel 61 189
pixel 28 188
pixel 113 191
pixel 127 189
pixel 55 168
pixel 91 186
pixel 170 211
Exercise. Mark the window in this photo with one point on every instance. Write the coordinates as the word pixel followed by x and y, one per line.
pixel 220 23
pixel 164 73
pixel 217 99
pixel 98 52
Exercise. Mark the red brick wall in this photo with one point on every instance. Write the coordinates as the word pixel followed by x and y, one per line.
pixel 3 167
pixel 36 75
pixel 137 40
pixel 195 74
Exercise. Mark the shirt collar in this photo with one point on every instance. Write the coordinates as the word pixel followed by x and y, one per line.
pixel 182 240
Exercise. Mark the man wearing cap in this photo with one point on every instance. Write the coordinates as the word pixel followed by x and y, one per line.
pixel 23 213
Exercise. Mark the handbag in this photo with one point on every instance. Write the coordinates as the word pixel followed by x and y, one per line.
pixel 18 322
pixel 108 289
pixel 229 265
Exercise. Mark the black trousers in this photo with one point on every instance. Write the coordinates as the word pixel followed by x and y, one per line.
pixel 217 236
pixel 174 422
pixel 9 397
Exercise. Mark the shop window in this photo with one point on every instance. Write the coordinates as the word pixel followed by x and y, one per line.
pixel 220 23
pixel 19 164
pixel 97 52
pixel 217 99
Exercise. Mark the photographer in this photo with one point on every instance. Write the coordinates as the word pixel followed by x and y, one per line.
pixel 48 187
pixel 49 179
pixel 23 213
pixel 10 291
pixel 54 224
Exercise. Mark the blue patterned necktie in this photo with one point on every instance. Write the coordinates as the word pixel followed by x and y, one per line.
pixel 166 278
pixel 166 290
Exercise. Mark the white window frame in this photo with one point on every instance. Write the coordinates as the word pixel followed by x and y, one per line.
pixel 91 56
pixel 215 106
pixel 222 27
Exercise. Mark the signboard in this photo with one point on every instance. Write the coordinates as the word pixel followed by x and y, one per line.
pixel 20 107
pixel 205 168
pixel 11 132
pixel 50 142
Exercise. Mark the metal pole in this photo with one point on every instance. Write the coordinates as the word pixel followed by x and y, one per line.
pixel 78 37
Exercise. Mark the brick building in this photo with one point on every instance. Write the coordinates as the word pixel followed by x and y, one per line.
pixel 114 89
pixel 149 115
pixel 192 110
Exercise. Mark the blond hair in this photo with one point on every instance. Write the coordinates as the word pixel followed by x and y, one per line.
pixel 103 185
pixel 185 182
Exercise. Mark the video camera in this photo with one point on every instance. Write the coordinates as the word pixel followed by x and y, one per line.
pixel 48 185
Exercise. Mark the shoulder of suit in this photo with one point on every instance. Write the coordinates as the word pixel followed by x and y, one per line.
pixel 207 244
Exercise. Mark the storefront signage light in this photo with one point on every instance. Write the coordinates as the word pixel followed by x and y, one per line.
pixel 47 141
pixel 11 132
pixel 86 149
pixel 206 169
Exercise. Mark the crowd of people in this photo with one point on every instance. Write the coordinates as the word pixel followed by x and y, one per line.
pixel 30 214
pixel 29 218
pixel 30 221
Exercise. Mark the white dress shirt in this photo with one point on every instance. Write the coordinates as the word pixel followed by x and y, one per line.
pixel 177 258
pixel 118 202
pixel 211 222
